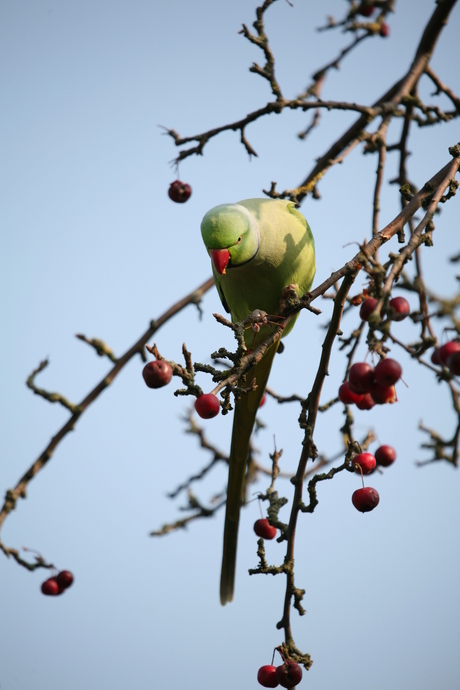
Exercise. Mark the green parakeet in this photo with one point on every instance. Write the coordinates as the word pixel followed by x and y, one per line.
pixel 258 247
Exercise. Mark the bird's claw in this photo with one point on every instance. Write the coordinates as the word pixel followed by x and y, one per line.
pixel 287 293
pixel 258 319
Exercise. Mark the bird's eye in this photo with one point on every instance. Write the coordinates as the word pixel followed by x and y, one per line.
pixel 239 239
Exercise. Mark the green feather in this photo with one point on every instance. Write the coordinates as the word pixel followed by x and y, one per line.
pixel 270 246
pixel 243 422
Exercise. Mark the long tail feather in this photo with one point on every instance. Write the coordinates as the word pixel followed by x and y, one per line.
pixel 243 422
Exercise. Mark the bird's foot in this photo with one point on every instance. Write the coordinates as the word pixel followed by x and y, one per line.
pixel 287 293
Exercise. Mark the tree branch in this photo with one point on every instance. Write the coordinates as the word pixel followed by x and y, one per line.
pixel 19 491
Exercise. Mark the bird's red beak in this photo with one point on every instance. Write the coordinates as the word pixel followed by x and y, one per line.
pixel 220 259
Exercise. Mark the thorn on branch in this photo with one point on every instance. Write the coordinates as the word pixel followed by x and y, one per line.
pixel 298 595
pixel 247 145
pixel 274 457
pixel 101 348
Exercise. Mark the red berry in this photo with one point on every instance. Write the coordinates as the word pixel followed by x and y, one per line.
pixel 262 402
pixel 50 587
pixel 367 308
pixel 264 529
pixel 64 579
pixel 366 403
pixel 365 10
pixel 347 396
pixel 365 461
pixel 400 307
pixel 207 405
pixel 387 372
pixel 385 456
pixel 179 191
pixel 157 374
pixel 288 674
pixel 360 377
pixel 266 676
pixel 365 499
pixel 445 351
pixel 384 30
pixel 453 362
pixel 382 394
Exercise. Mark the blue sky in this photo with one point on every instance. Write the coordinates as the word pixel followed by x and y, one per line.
pixel 91 243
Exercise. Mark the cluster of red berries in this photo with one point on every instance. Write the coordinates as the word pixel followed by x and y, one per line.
pixel 288 675
pixel 367 386
pixel 159 373
pixel 449 355
pixel 179 191
pixel 57 584
pixel 367 498
pixel 399 308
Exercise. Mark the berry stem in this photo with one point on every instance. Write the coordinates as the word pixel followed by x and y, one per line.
pixel 260 508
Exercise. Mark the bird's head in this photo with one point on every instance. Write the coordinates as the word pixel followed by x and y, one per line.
pixel 231 236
